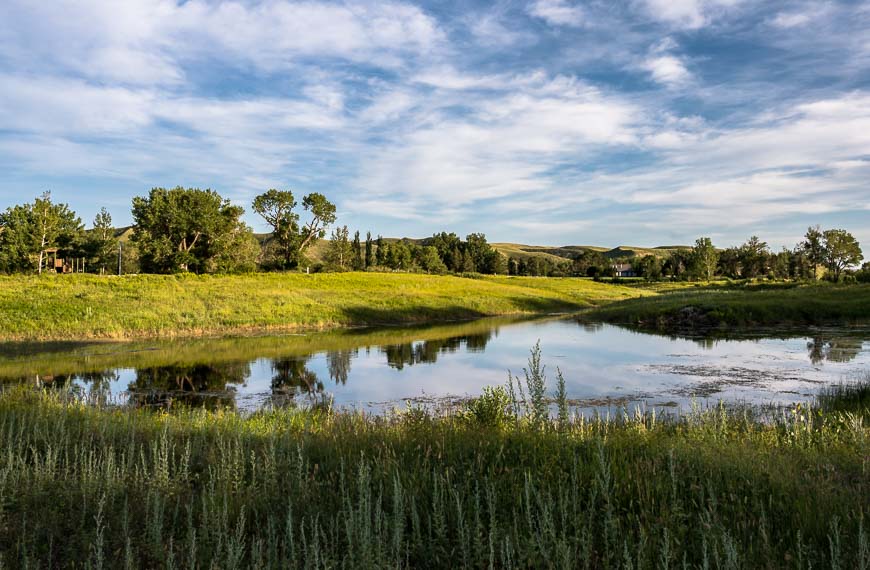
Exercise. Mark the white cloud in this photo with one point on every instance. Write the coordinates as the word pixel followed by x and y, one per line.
pixel 784 20
pixel 501 145
pixel 688 14
pixel 149 42
pixel 558 12
pixel 667 69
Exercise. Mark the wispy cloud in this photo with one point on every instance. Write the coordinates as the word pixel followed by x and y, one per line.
pixel 558 12
pixel 644 121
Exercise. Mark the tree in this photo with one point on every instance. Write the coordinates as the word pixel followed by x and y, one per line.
pixel 101 244
pixel 358 263
pixel 18 246
pixel 322 214
pixel 648 267
pixel 236 251
pixel 841 251
pixel 676 263
pixel 276 207
pixel 448 246
pixel 729 262
pixel 183 229
pixel 704 258
pixel 339 253
pixel 369 260
pixel 814 248
pixel 380 253
pixel 27 231
pixel 753 257
pixel 55 225
pixel 429 261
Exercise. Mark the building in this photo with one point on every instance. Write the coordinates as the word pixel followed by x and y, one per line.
pixel 623 270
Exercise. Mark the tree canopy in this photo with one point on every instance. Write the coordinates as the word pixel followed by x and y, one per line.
pixel 187 229
pixel 841 251
pixel 276 207
pixel 28 230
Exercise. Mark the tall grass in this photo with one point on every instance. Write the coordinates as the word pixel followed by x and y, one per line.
pixel 82 486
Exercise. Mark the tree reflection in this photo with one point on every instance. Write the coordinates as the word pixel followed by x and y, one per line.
pixel 409 354
pixel 200 385
pixel 338 363
pixel 834 349
pixel 293 379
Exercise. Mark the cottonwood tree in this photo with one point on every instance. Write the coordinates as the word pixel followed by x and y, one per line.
pixel 276 207
pixel 322 214
pixel 184 229
pixel 704 258
pixel 841 251
pixel 813 247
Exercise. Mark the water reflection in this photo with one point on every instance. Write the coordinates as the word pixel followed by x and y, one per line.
pixel 400 355
pixel 382 367
pixel 842 349
pixel 338 362
pixel 207 385
pixel 292 379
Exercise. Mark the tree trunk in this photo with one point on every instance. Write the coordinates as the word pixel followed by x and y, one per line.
pixel 41 253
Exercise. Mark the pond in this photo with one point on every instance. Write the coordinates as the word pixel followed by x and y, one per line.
pixel 604 366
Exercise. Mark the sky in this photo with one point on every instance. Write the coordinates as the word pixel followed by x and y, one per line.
pixel 641 122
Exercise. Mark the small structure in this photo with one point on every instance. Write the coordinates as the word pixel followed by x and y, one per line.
pixel 60 264
pixel 623 270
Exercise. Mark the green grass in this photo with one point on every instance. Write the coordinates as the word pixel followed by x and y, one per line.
pixel 74 307
pixel 721 305
pixel 83 487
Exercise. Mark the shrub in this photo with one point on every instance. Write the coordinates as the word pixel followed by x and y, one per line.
pixel 491 409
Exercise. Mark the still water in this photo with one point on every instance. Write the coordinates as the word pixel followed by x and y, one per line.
pixel 605 367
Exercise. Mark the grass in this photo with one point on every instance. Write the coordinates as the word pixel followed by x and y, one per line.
pixel 722 305
pixel 75 307
pixel 498 485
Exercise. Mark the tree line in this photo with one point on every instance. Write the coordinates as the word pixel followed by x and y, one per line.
pixel 193 230
pixel 833 254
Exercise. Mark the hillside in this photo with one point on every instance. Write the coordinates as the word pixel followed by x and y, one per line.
pixel 560 253
pixel 512 250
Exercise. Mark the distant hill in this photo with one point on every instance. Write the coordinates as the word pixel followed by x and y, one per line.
pixel 515 250
pixel 559 253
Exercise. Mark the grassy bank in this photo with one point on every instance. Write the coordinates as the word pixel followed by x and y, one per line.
pixel 721 306
pixel 74 307
pixel 113 488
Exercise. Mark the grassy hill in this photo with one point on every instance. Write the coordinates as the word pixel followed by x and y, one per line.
pixel 560 253
pixel 317 252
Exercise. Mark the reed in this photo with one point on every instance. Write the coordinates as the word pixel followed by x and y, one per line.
pixel 493 485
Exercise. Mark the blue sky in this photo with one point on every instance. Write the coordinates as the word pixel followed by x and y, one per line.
pixel 645 122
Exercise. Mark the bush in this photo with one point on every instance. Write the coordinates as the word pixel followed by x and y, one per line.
pixel 490 410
